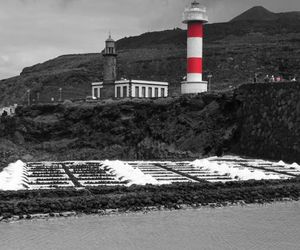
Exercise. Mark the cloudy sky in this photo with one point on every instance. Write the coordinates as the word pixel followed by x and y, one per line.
pixel 33 31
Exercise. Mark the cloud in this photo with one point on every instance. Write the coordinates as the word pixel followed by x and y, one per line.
pixel 33 31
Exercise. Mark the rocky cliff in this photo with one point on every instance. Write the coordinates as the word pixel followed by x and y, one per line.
pixel 270 115
pixel 259 120
pixel 171 128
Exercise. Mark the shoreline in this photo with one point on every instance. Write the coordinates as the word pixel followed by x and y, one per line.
pixel 140 210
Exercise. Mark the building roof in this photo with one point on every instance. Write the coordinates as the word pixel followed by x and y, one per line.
pixel 109 39
pixel 97 83
pixel 142 82
pixel 134 82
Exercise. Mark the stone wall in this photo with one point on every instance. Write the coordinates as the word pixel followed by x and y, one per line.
pixel 269 118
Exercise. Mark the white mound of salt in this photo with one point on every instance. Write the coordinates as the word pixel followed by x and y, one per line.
pixel 11 178
pixel 295 166
pixel 225 168
pixel 123 171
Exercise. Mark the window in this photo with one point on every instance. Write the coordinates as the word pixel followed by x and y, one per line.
pixel 96 92
pixel 137 92
pixel 110 50
pixel 150 92
pixel 118 92
pixel 162 92
pixel 125 91
pixel 156 92
pixel 144 92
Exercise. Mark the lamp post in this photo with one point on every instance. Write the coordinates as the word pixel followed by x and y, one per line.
pixel 60 94
pixel 209 81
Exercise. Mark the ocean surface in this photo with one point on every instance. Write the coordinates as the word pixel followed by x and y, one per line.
pixel 271 226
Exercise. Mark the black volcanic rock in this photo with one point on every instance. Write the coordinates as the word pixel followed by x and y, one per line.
pixel 259 120
pixel 257 13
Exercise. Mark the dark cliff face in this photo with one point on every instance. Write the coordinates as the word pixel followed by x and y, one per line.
pixel 259 120
pixel 271 121
pixel 178 128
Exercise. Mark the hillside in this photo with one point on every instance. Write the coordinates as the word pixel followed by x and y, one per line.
pixel 233 53
pixel 259 13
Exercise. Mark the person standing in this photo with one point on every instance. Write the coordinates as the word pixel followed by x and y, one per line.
pixel 255 79
pixel 266 79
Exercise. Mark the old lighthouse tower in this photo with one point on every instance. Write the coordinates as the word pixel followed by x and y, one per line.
pixel 109 68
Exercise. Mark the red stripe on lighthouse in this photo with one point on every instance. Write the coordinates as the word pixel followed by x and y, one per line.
pixel 194 65
pixel 195 29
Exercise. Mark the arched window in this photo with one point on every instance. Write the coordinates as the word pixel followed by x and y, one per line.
pixel 156 92
pixel 143 92
pixel 118 92
pixel 150 92
pixel 125 91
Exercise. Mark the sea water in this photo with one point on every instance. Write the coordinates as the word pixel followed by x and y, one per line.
pixel 271 226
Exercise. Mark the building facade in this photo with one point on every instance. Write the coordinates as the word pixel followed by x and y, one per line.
pixel 111 88
pixel 134 89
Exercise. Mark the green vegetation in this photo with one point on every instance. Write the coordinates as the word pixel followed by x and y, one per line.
pixel 133 198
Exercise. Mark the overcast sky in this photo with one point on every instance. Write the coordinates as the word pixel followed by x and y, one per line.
pixel 33 31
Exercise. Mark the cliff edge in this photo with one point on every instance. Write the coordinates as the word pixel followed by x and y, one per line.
pixel 259 120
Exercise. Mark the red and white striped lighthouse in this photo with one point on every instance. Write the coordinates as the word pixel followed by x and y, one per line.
pixel 194 17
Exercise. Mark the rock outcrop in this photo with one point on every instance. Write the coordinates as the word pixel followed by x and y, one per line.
pixel 259 120
pixel 270 115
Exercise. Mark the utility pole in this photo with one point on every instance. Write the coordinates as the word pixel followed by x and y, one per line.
pixel 209 82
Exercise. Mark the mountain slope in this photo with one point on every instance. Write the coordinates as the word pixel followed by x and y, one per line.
pixel 261 14
pixel 257 13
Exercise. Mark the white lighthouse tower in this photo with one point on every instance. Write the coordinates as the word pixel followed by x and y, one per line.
pixel 194 16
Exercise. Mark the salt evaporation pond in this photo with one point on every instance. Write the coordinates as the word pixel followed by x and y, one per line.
pixel 273 226
pixel 44 175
